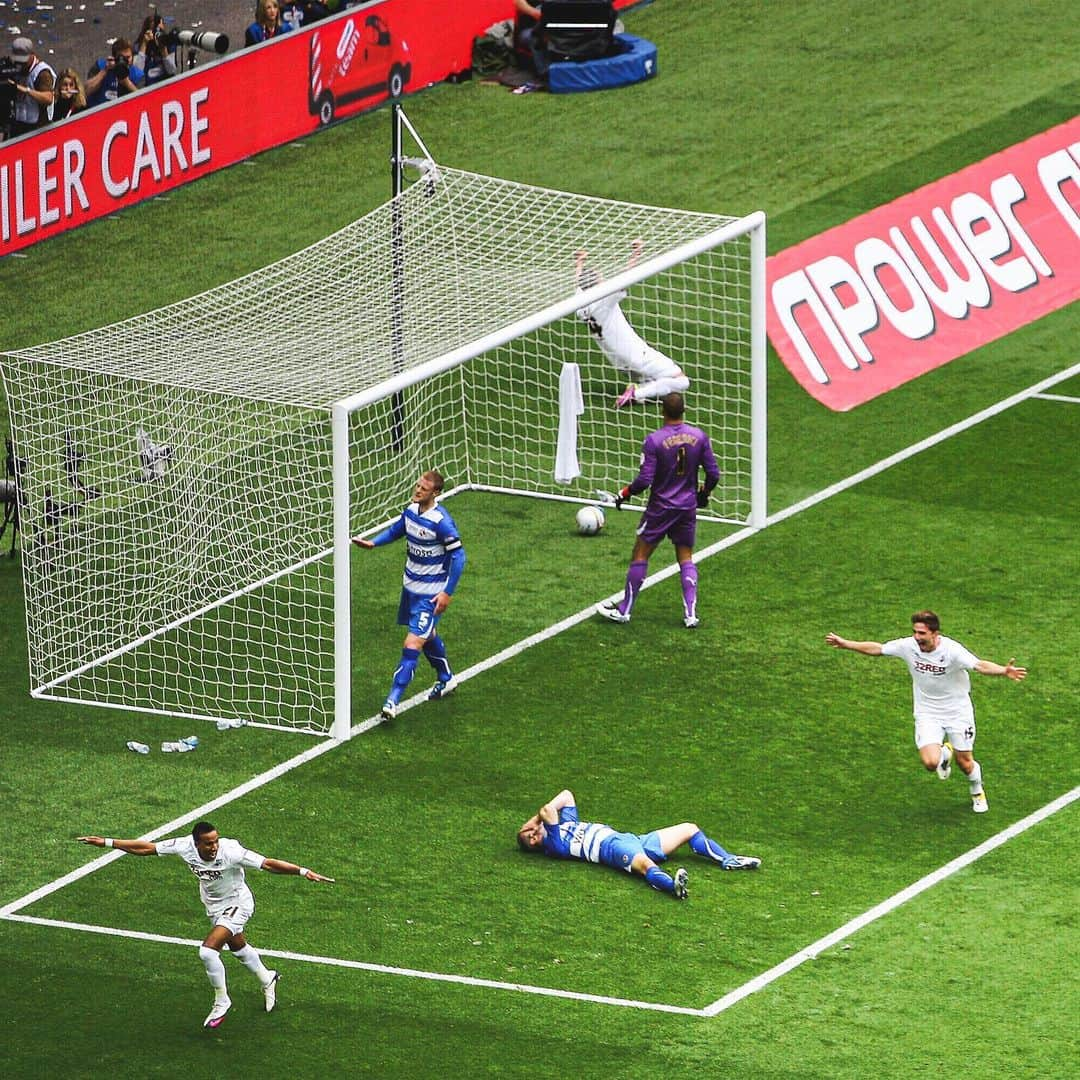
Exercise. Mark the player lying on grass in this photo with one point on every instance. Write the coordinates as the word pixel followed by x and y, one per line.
pixel 944 715
pixel 556 830
pixel 620 342
pixel 218 863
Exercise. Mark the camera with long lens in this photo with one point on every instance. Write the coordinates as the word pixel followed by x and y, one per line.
pixel 121 69
pixel 207 40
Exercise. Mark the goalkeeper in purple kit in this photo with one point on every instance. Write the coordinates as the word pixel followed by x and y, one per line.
pixel 671 458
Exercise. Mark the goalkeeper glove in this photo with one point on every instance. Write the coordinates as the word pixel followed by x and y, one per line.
pixel 622 497
pixel 702 497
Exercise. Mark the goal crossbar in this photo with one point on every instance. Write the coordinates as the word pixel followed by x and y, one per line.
pixel 191 478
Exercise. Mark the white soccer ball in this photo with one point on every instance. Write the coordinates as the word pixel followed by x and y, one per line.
pixel 590 520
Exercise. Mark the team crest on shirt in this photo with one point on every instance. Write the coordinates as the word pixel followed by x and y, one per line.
pixel 625 859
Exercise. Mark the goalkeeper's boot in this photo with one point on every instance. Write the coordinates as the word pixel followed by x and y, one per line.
pixel 611 611
pixel 741 862
pixel 691 621
pixel 626 397
pixel 682 881
pixel 944 765
pixel 441 689
pixel 979 803
pixel 389 709
pixel 217 1013
pixel 270 992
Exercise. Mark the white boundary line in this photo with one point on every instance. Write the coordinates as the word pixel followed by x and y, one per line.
pixel 811 952
pixel 383 969
pixel 9 911
pixel 1058 397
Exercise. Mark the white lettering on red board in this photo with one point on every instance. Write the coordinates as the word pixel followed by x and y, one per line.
pixel 165 143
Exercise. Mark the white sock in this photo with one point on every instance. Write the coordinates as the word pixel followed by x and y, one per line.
pixel 250 958
pixel 215 971
pixel 975 778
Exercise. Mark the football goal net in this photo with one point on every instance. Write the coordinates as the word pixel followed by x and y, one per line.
pixel 189 479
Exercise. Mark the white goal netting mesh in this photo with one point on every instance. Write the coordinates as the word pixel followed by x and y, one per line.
pixel 175 476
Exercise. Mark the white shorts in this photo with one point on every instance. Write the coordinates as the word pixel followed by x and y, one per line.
pixel 960 732
pixel 233 915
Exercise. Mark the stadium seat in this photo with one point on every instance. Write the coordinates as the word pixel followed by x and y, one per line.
pixel 634 62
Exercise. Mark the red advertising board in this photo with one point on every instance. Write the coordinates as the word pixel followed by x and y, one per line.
pixel 866 306
pixel 213 116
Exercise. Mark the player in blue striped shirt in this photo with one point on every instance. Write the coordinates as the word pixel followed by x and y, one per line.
pixel 433 567
pixel 556 830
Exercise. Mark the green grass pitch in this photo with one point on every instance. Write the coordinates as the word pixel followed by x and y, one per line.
pixel 775 744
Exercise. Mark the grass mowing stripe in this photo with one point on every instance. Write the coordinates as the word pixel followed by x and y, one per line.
pixel 382 969
pixel 155 834
pixel 924 444
pixel 928 881
pixel 895 901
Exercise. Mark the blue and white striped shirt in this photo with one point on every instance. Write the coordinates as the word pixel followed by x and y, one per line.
pixel 574 839
pixel 432 539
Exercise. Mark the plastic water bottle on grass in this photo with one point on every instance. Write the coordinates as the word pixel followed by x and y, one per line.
pixel 138 747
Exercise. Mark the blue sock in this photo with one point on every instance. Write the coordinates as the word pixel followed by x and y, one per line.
pixel 403 675
pixel 700 844
pixel 435 651
pixel 659 880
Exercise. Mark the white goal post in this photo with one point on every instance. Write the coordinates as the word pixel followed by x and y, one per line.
pixel 190 479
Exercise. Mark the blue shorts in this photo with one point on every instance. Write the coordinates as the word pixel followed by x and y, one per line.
pixel 680 526
pixel 619 850
pixel 418 614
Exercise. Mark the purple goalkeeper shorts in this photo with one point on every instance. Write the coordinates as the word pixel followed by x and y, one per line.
pixel 679 526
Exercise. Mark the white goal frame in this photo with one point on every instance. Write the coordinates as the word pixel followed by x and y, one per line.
pixel 84 368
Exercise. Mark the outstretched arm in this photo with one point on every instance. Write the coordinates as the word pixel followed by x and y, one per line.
pixel 132 847
pixel 1010 670
pixel 867 648
pixel 549 812
pixel 277 866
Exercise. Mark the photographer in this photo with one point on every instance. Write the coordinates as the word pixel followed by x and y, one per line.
pixel 156 56
pixel 114 76
pixel 34 86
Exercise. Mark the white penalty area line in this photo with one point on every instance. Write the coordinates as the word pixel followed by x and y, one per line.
pixel 359 965
pixel 1058 397
pixel 811 952
pixel 759 982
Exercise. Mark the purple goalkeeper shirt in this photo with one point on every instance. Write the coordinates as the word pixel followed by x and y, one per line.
pixel 670 459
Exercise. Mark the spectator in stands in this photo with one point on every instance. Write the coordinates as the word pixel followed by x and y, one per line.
pixel 70 95
pixel 34 87
pixel 305 12
pixel 268 23
pixel 529 36
pixel 153 57
pixel 114 75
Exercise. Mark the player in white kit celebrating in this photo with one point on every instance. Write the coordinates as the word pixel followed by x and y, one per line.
pixel 944 716
pixel 621 344
pixel 218 863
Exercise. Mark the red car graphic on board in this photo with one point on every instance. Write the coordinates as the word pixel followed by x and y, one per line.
pixel 353 60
